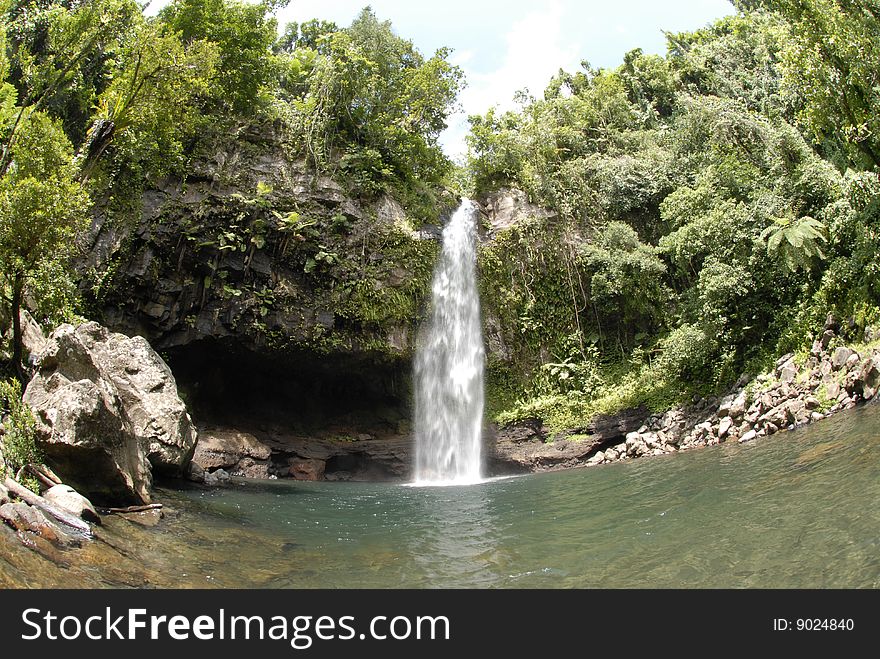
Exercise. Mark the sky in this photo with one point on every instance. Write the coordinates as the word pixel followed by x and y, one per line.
pixel 504 46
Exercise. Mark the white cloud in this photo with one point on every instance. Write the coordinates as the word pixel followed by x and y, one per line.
pixel 535 50
pixel 461 57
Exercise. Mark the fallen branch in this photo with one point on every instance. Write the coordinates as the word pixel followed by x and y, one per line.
pixel 39 502
pixel 42 473
pixel 134 509
pixel 48 473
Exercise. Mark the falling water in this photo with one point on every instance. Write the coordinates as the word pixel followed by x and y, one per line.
pixel 449 364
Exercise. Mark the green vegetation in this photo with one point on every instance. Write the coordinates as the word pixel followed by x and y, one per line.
pixel 710 208
pixel 365 101
pixel 18 445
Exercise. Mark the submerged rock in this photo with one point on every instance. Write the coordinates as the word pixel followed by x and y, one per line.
pixel 216 477
pixel 107 412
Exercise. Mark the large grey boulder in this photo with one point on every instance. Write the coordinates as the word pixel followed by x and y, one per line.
pixel 108 412
pixel 868 379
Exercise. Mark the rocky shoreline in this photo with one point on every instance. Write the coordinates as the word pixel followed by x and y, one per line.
pixel 799 390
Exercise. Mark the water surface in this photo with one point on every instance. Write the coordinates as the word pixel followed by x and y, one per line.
pixel 799 509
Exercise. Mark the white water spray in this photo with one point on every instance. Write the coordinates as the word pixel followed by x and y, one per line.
pixel 449 364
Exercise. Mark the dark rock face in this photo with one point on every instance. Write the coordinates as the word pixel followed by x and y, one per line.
pixel 108 413
pixel 256 247
pixel 306 394
pixel 317 458
pixel 282 455
pixel 385 459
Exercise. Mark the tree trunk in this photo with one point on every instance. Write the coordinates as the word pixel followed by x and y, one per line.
pixel 17 342
pixel 869 151
pixel 98 139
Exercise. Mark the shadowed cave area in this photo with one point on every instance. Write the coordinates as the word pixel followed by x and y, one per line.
pixel 332 396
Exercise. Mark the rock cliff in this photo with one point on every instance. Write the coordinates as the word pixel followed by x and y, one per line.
pixel 256 269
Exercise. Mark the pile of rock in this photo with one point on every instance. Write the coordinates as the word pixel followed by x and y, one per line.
pixel 223 453
pixel 795 393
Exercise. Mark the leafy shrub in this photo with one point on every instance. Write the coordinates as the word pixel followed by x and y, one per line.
pixel 687 352
pixel 19 445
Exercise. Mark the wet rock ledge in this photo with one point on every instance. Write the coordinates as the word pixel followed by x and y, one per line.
pixel 223 452
pixel 799 390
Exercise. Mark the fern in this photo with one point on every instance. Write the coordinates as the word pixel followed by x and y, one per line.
pixel 796 243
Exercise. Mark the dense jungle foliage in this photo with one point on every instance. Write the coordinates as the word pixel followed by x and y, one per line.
pixel 711 208
pixel 96 99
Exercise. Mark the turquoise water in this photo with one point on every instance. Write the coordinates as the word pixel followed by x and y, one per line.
pixel 800 509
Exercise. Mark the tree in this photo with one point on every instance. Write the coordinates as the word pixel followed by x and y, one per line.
pixel 373 97
pixel 244 35
pixel 735 57
pixel 43 204
pixel 308 35
pixel 54 48
pixel 796 243
pixel 151 99
pixel 626 288
pixel 650 82
pixel 831 61
pixel 43 208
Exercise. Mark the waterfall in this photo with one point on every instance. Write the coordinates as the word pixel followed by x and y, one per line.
pixel 449 363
